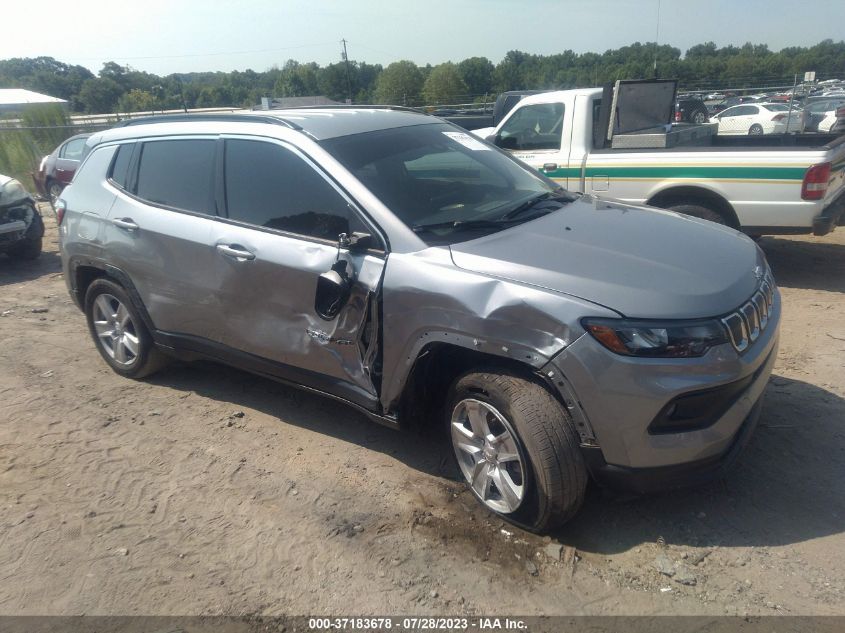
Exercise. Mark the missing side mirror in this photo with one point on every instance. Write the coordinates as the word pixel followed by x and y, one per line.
pixel 332 291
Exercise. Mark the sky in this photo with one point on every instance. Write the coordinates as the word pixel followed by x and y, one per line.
pixel 168 36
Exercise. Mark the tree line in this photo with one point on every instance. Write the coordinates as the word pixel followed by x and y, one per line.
pixel 119 88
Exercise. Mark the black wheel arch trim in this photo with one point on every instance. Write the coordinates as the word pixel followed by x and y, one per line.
pixel 75 263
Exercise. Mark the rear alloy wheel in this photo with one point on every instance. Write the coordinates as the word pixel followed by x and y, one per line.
pixel 118 332
pixel 699 117
pixel 517 449
pixel 755 130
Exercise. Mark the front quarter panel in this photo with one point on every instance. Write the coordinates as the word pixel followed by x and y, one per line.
pixel 427 300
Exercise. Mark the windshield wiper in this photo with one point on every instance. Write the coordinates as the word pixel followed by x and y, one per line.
pixel 558 196
pixel 461 224
pixel 525 206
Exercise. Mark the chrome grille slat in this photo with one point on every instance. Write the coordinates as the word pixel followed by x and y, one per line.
pixel 759 301
pixel 747 322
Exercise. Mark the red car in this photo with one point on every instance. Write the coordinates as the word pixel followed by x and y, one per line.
pixel 57 169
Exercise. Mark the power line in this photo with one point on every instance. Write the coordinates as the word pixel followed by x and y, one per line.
pixel 186 55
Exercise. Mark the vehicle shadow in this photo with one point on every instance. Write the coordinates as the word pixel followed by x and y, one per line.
pixel 786 488
pixel 805 264
pixel 427 453
pixel 14 270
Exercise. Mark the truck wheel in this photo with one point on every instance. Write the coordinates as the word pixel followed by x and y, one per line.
pixel 699 117
pixel 517 448
pixel 118 331
pixel 698 211
pixel 755 130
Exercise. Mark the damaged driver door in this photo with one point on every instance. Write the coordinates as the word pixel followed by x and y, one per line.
pixel 289 233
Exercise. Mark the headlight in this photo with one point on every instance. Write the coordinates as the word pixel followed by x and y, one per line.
pixel 656 339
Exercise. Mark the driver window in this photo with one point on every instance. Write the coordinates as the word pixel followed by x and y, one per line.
pixel 533 127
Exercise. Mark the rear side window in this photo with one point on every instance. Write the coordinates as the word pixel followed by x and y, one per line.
pixel 120 165
pixel 72 150
pixel 178 173
pixel 268 185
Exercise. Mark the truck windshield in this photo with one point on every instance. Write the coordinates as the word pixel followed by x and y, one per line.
pixel 442 182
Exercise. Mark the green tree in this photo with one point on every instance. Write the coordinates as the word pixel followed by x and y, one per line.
pixel 138 101
pixel 444 85
pixel 400 83
pixel 100 96
pixel 477 74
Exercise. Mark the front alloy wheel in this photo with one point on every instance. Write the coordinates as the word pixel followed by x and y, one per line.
pixel 488 455
pixel 516 447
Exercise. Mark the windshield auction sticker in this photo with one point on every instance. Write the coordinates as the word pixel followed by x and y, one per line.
pixel 467 141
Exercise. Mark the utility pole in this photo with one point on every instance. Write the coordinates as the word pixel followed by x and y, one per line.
pixel 348 80
pixel 656 39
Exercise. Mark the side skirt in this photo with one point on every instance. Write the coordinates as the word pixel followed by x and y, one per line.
pixel 190 348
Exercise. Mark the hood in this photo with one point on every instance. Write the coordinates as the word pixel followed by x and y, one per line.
pixel 12 192
pixel 638 261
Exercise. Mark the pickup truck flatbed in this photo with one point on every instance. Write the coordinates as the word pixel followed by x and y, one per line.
pixel 762 185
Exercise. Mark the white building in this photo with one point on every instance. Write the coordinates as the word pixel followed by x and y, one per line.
pixel 15 99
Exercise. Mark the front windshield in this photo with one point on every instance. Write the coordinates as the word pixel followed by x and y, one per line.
pixel 440 180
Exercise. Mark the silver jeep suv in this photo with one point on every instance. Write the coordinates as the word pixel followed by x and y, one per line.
pixel 390 260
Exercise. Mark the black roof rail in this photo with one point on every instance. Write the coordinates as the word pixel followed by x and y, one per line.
pixel 239 118
pixel 346 106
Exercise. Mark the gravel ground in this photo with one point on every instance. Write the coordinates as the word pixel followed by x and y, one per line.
pixel 205 490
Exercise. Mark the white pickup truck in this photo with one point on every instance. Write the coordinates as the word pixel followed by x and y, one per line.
pixel 761 185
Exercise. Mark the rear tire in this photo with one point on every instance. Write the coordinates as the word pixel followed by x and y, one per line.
pixel 755 130
pixel 119 332
pixel 697 210
pixel 699 117
pixel 510 433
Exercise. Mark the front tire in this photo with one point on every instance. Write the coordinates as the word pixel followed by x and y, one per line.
pixel 517 449
pixel 118 331
pixel 30 246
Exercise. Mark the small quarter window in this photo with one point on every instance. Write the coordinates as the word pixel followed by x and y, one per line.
pixel 120 165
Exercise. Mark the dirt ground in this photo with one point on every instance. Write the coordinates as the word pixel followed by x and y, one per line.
pixel 206 490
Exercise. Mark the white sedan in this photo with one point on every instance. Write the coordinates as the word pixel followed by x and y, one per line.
pixel 758 118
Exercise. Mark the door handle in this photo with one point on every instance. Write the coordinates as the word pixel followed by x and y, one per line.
pixel 125 223
pixel 549 166
pixel 235 251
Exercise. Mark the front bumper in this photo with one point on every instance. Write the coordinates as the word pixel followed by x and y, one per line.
pixel 616 403
pixel 662 478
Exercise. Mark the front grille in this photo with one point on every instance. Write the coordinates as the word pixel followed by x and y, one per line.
pixel 749 320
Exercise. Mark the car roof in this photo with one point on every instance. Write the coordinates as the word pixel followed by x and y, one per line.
pixel 557 95
pixel 318 122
